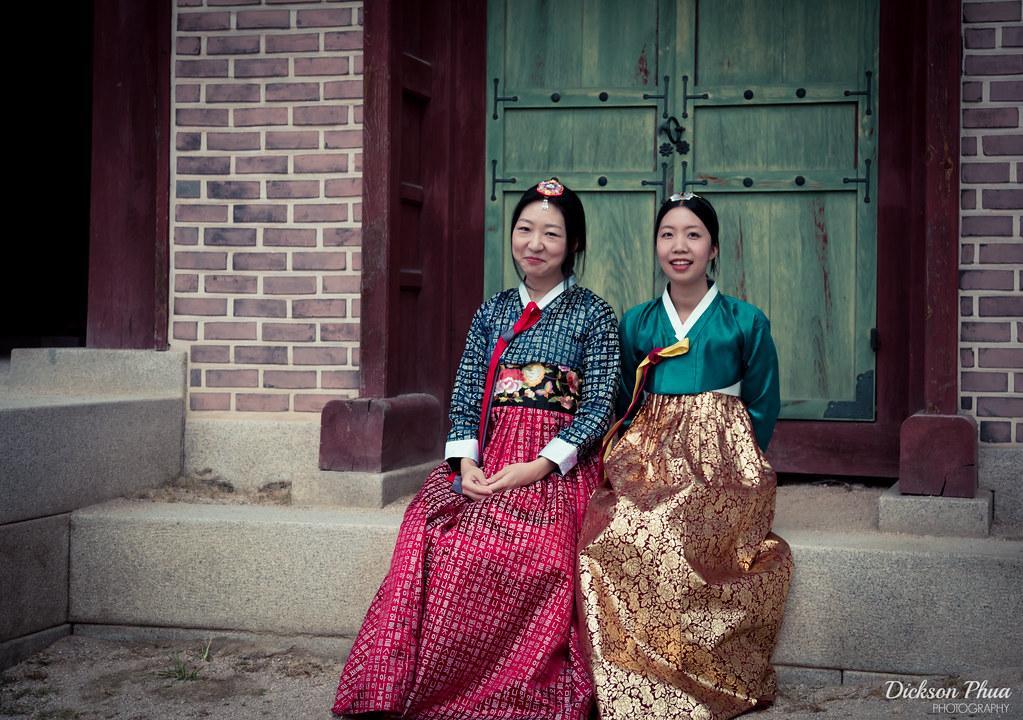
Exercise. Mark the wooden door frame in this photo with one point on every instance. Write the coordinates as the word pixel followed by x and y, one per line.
pixel 917 236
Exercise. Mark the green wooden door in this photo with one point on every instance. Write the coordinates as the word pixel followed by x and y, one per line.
pixel 778 107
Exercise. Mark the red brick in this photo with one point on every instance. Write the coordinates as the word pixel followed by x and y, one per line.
pixel 1012 36
pixel 210 354
pixel 994 64
pixel 318 261
pixel 186 235
pixel 229 236
pixel 985 332
pixel 1017 382
pixel 314 403
pixel 232 93
pixel 263 19
pixel 977 225
pixel 260 308
pixel 232 190
pixel 292 189
pixel 320 356
pixel 320 213
pixel 232 45
pixel 1002 199
pixel 200 260
pixel 232 378
pixel 209 401
pixel 204 165
pixel 187 141
pixel 231 283
pixel 293 140
pixel 261 402
pixel 965 307
pixel 1007 91
pixel 339 332
pixel 968 146
pixel 309 42
pixel 283 92
pixel 334 139
pixel 977 38
pixel 344 40
pixel 262 355
pixel 340 379
pixel 966 358
pixel 357 114
pixel 261 67
pixel 200 213
pixel 355 308
pixel 344 187
pixel 320 115
pixel 186 283
pixel 966 254
pixel 200 68
pixel 986 280
pixel 200 306
pixel 185 330
pixel 338 17
pixel 232 2
pixel 342 90
pixel 1001 117
pixel 260 261
pixel 1011 407
pixel 188 94
pixel 991 11
pixel 229 331
pixel 289 332
pixel 968 199
pixel 289 285
pixel 312 66
pixel 289 237
pixel 994 432
pixel 1002 253
pixel 1003 144
pixel 342 283
pixel 355 357
pixel 262 116
pixel 342 236
pixel 188 45
pixel 985 172
pixel 260 213
pixel 233 141
pixel 261 165
pixel 357 259
pixel 317 308
pixel 1011 358
pixel 1010 306
pixel 290 379
pixel 193 21
pixel 200 117
pixel 332 163
pixel 190 3
pixel 357 61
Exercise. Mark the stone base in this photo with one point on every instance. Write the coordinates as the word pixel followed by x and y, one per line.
pixel 33 575
pixel 14 651
pixel 1001 470
pixel 359 489
pixel 929 515
pixel 938 455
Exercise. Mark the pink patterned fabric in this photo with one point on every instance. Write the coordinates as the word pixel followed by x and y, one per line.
pixel 476 619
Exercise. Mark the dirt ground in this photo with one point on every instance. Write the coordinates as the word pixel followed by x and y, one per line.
pixel 85 678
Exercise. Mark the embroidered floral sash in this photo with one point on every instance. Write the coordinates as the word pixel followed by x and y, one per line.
pixel 549 387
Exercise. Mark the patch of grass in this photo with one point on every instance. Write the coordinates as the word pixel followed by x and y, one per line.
pixel 57 714
pixel 180 670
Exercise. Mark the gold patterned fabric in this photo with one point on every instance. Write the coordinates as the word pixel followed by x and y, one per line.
pixel 682 583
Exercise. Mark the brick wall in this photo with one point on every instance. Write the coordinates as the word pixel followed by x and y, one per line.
pixel 266 166
pixel 991 267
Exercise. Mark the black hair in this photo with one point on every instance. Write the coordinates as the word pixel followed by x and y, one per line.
pixel 703 210
pixel 571 208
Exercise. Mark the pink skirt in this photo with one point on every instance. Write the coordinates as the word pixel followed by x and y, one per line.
pixel 476 618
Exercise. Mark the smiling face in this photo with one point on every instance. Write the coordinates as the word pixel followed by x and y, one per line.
pixel 684 247
pixel 539 244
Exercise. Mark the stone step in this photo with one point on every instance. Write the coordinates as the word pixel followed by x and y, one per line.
pixel 861 600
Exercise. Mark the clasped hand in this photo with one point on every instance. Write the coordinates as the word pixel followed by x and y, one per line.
pixel 476 485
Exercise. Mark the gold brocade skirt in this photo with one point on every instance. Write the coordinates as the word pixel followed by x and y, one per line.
pixel 682 583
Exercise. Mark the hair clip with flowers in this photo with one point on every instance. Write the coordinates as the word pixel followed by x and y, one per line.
pixel 683 196
pixel 550 188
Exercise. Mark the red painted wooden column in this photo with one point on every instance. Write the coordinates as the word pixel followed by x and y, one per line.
pixel 938 447
pixel 128 228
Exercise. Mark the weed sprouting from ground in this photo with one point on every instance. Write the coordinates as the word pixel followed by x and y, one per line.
pixel 182 670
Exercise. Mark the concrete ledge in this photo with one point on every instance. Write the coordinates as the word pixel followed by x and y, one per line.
pixel 87 371
pixel 358 489
pixel 258 569
pixel 902 604
pixel 930 515
pixel 1001 470
pixel 14 651
pixel 58 457
pixel 33 575
pixel 789 675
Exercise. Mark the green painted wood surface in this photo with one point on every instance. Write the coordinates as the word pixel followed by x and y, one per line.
pixel 773 144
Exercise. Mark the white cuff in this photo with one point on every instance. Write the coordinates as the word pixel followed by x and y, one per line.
pixel 561 453
pixel 462 449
